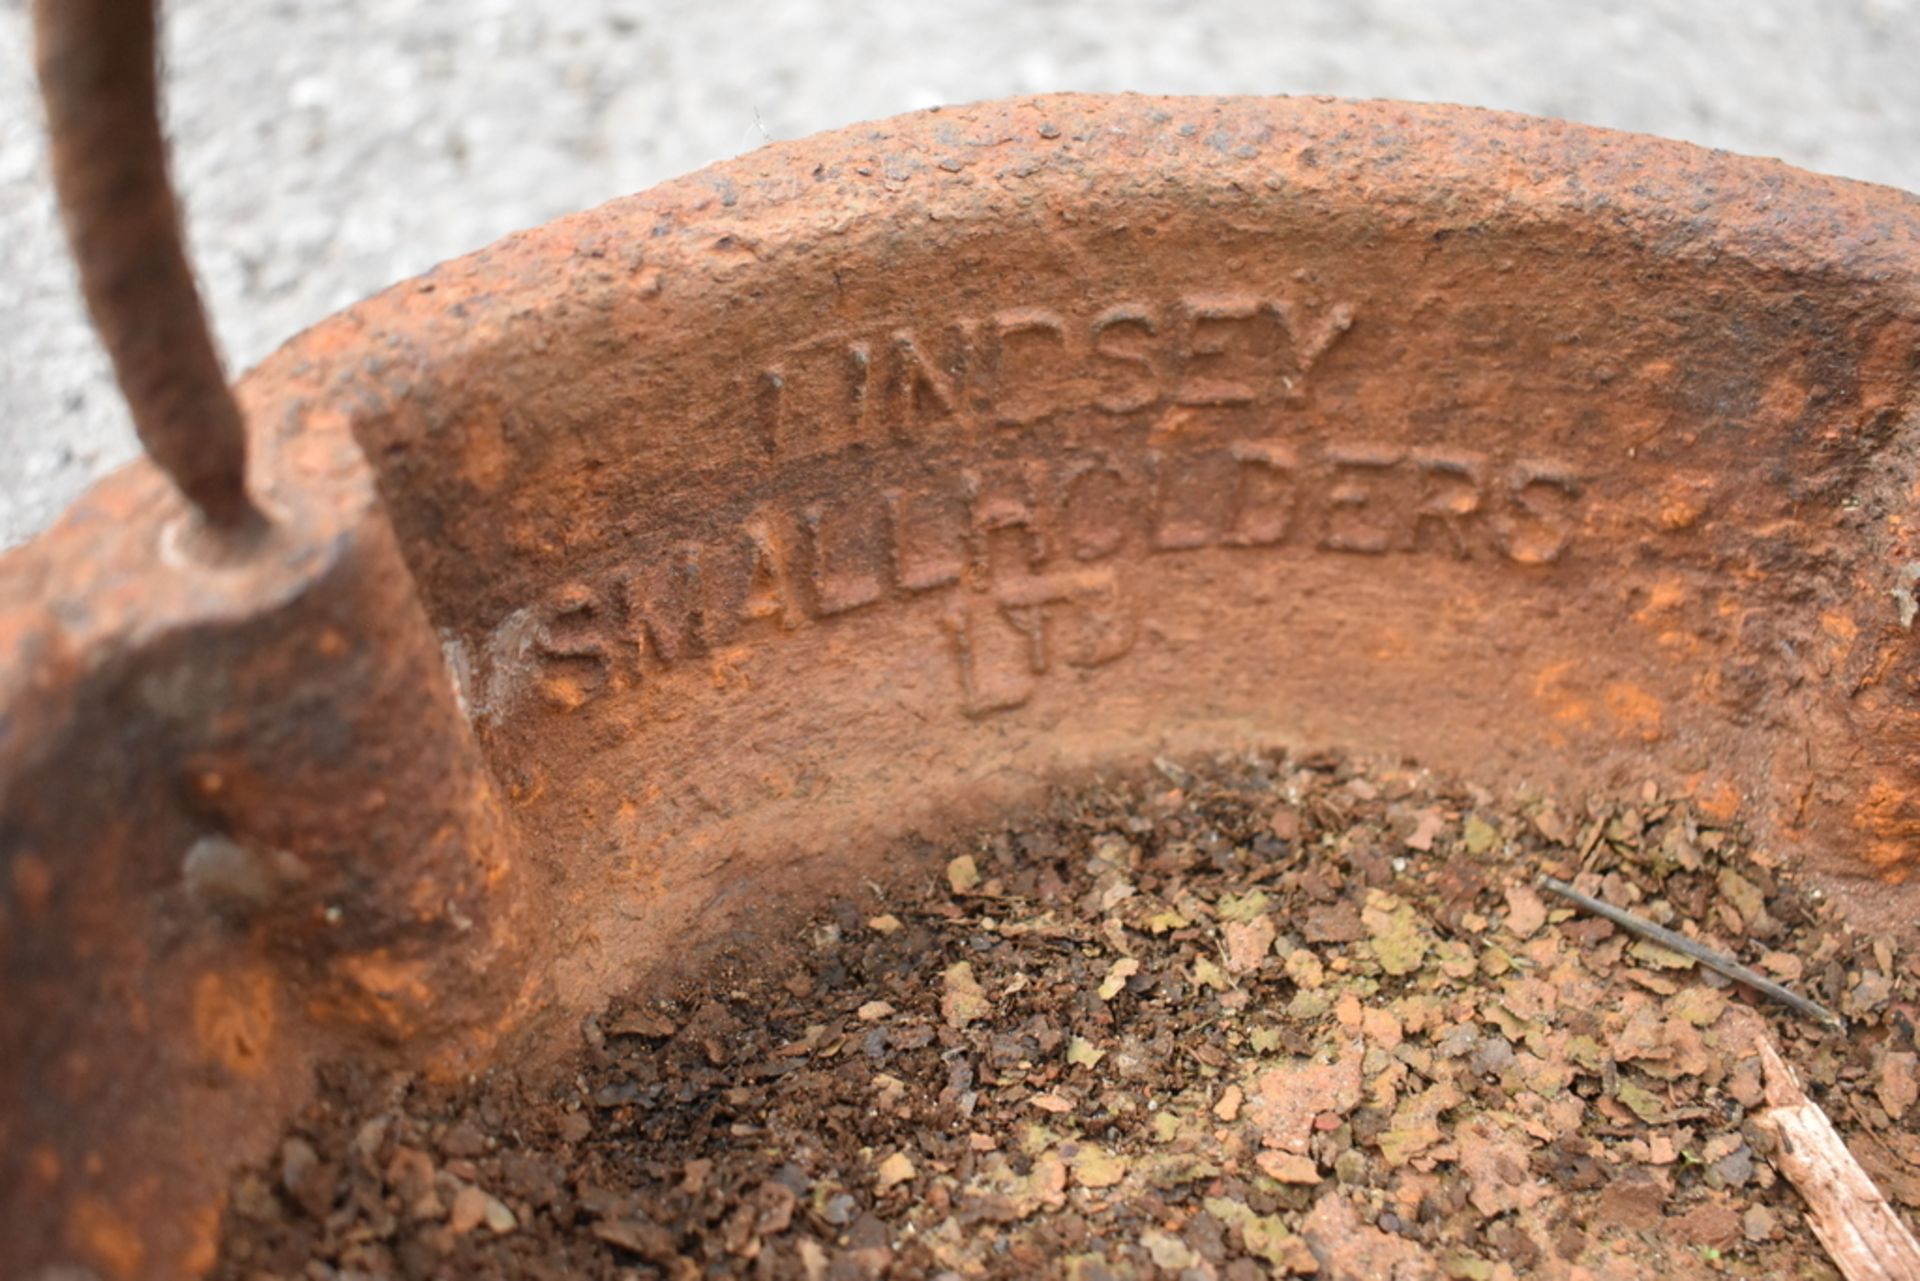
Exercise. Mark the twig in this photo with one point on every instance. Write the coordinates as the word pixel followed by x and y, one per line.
pixel 1687 947
pixel 1864 1235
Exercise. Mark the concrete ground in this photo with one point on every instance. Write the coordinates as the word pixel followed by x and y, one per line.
pixel 326 148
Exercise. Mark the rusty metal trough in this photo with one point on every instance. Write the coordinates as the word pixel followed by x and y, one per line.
pixel 590 596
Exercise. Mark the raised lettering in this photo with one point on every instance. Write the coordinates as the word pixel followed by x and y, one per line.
pixel 665 606
pixel 1027 345
pixel 769 410
pixel 1026 534
pixel 1081 614
pixel 1265 493
pixel 1131 383
pixel 1190 494
pixel 1451 486
pixel 575 651
pixel 929 537
pixel 1355 522
pixel 859 380
pixel 1212 375
pixel 1003 499
pixel 993 661
pixel 1078 617
pixel 1538 530
pixel 1309 342
pixel 1096 510
pixel 918 391
pixel 839 582
pixel 770 593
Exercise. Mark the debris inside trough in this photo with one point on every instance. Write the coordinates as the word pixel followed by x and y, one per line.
pixel 1250 1016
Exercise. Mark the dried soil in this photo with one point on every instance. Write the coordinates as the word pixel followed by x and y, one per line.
pixel 1246 1017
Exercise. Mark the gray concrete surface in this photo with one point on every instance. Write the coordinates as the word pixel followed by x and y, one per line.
pixel 329 147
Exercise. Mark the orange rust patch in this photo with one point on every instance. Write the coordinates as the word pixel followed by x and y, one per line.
pixel 1716 798
pixel 1390 646
pixel 427 899
pixel 1785 397
pixel 1664 596
pixel 1888 369
pixel 1839 626
pixel 383 992
pixel 98 1231
pixel 1560 703
pixel 485 459
pixel 1892 819
pixel 1891 859
pixel 43 1166
pixel 729 669
pixel 1683 501
pixel 1635 710
pixel 1683 643
pixel 563 693
pixel 203 1246
pixel 233 1019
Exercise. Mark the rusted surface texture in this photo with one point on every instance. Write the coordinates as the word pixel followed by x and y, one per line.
pixel 244 823
pixel 857 487
pixel 989 441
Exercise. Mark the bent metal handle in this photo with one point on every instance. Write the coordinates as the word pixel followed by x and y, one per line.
pixel 98 74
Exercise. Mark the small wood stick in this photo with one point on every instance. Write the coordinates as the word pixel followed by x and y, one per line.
pixel 1865 1237
pixel 1687 947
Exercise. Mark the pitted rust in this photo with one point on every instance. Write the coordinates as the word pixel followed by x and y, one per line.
pixel 676 559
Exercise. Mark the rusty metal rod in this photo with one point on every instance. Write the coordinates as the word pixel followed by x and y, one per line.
pixel 99 75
